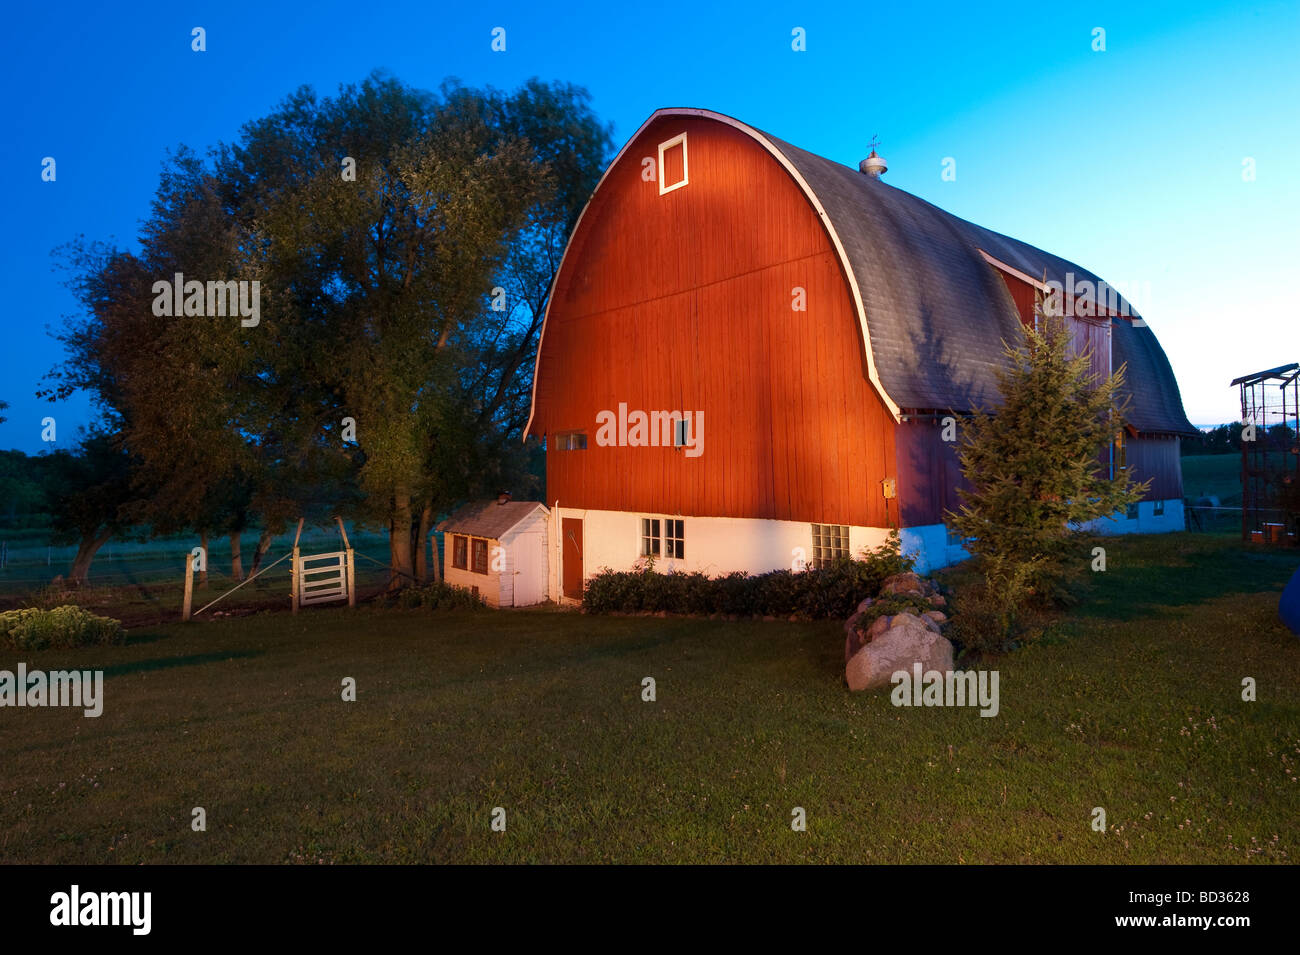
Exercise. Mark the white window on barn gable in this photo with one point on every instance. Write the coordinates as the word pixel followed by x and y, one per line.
pixel 672 164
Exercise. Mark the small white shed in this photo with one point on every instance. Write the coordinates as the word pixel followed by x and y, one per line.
pixel 499 550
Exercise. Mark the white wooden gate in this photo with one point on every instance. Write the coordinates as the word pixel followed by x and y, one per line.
pixel 322 578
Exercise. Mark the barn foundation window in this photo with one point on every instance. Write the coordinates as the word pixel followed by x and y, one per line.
pixel 650 537
pixel 663 537
pixel 480 556
pixel 830 543
pixel 672 164
pixel 674 538
pixel 460 552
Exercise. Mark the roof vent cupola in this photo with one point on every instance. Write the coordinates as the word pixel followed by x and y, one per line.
pixel 873 165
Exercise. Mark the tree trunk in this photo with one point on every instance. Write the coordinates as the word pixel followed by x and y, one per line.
pixel 402 571
pixel 263 545
pixel 236 558
pixel 86 551
pixel 437 561
pixel 421 546
pixel 203 574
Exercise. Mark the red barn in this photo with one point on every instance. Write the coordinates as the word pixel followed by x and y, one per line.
pixel 750 351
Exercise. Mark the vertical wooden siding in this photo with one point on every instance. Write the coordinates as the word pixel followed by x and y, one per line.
pixel 1156 457
pixel 683 302
pixel 929 473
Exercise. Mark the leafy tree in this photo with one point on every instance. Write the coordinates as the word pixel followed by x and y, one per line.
pixel 383 282
pixel 91 490
pixel 1033 469
pixel 379 222
pixel 24 489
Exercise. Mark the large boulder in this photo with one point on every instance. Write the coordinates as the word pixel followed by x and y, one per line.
pixel 907 640
pixel 858 633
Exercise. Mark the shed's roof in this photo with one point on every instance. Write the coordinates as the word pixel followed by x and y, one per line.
pixel 490 519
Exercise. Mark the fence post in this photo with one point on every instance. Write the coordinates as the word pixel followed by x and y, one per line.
pixel 189 586
pixel 352 581
pixel 295 580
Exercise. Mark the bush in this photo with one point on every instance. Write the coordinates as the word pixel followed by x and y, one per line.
pixel 894 604
pixel 832 591
pixel 983 622
pixel 63 627
pixel 439 595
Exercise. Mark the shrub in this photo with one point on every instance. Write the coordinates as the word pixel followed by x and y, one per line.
pixel 832 591
pixel 1031 469
pixel 892 604
pixel 983 621
pixel 439 595
pixel 33 628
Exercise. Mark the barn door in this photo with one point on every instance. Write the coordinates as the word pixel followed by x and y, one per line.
pixel 572 557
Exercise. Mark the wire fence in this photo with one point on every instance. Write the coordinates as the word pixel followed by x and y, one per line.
pixel 151 572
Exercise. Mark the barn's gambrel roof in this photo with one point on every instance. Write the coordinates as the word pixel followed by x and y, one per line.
pixel 937 311
pixel 933 311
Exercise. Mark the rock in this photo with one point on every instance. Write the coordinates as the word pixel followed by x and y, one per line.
pixel 853 622
pixel 938 616
pixel 908 641
pixel 769 618
pixel 794 618
pixel 908 583
pixel 865 604
pixel 853 642
pixel 938 600
pixel 879 626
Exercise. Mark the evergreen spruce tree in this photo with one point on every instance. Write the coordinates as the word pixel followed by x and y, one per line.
pixel 1037 468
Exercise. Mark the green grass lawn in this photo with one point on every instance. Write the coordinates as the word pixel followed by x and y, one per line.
pixel 1133 703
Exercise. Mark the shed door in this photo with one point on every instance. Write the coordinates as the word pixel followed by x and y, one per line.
pixel 572 557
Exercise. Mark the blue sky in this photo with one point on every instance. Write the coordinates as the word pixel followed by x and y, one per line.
pixel 1127 161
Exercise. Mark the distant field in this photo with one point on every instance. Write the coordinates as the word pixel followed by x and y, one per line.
pixel 1213 474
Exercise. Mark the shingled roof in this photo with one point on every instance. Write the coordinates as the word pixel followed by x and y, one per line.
pixel 937 312
pixel 489 519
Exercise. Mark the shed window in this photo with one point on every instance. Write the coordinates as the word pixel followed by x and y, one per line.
pixel 460 552
pixel 650 537
pixel 830 543
pixel 571 441
pixel 1158 509
pixel 1132 514
pixel 480 556
pixel 672 164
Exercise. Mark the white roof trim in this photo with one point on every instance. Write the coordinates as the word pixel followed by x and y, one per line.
pixel 808 193
pixel 1010 270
